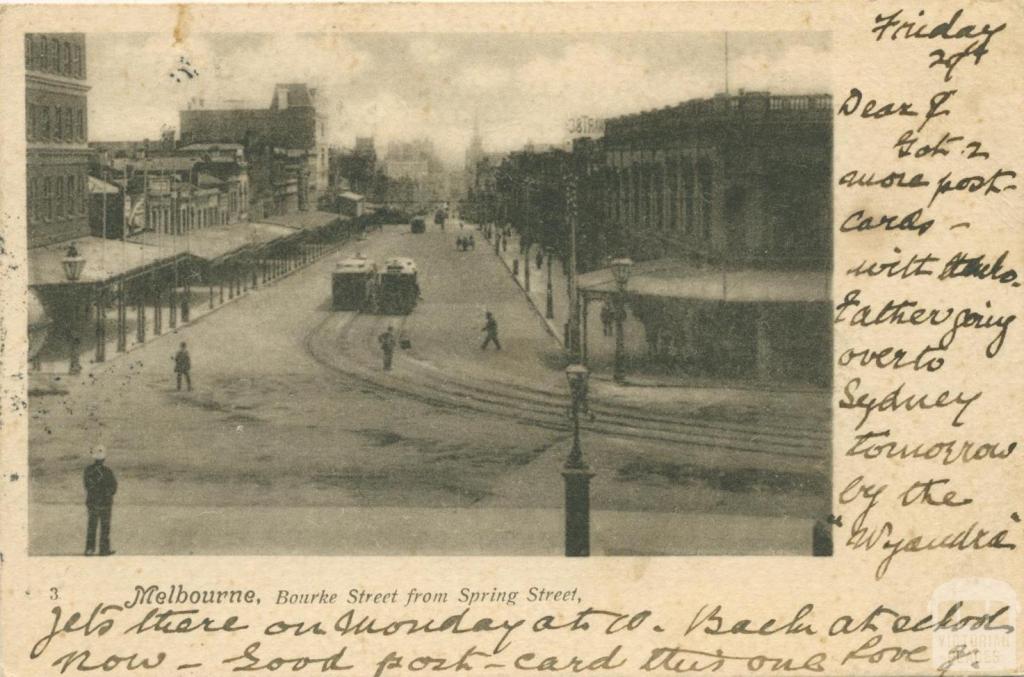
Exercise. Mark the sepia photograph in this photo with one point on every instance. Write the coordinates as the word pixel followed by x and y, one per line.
pixel 562 294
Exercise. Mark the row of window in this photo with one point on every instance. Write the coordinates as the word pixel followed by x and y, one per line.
pixel 53 198
pixel 188 219
pixel 642 197
pixel 54 55
pixel 61 124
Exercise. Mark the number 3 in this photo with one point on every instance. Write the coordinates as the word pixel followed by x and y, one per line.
pixel 54 593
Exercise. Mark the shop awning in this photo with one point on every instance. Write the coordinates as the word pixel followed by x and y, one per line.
pixel 105 260
pixel 99 187
pixel 311 220
pixel 217 242
pixel 684 280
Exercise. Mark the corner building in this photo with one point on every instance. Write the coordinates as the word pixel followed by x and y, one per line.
pixel 56 122
pixel 726 206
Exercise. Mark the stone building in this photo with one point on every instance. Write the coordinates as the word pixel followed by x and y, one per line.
pixel 56 128
pixel 726 206
pixel 739 178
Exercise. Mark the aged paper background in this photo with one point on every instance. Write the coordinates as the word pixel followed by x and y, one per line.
pixel 986 107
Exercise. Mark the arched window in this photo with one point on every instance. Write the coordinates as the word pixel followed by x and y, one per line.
pixel 48 198
pixel 689 206
pixel 29 56
pixel 59 196
pixel 58 64
pixel 67 61
pixel 69 190
pixel 704 178
pixel 58 124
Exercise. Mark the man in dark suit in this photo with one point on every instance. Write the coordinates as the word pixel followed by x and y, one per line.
pixel 388 341
pixel 183 366
pixel 491 332
pixel 100 487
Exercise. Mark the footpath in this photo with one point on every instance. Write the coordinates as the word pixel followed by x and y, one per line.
pixel 362 531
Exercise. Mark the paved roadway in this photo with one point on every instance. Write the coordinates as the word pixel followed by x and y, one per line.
pixel 308 439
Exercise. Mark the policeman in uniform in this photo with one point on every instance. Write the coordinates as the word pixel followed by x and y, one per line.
pixel 100 487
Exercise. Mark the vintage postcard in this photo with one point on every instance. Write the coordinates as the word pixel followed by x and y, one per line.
pixel 512 338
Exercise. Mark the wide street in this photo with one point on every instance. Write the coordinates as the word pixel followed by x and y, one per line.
pixel 295 441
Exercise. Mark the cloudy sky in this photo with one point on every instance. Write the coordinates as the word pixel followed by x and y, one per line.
pixel 523 87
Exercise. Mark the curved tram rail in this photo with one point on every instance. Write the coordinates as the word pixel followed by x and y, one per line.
pixel 808 446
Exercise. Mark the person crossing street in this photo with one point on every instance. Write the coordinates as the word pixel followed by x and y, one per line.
pixel 388 342
pixel 491 331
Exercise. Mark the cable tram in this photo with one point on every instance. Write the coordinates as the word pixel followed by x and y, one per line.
pixel 399 289
pixel 352 284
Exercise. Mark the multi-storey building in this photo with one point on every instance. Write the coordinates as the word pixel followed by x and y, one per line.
pixel 56 128
pixel 739 178
pixel 292 126
pixel 726 205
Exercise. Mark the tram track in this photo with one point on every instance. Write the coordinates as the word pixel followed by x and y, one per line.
pixel 346 344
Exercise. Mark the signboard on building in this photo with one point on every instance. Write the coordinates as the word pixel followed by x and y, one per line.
pixel 584 125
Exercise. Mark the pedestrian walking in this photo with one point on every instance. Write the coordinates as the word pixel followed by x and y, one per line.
pixel 540 259
pixel 504 243
pixel 472 242
pixel 100 487
pixel 606 319
pixel 491 331
pixel 388 342
pixel 183 366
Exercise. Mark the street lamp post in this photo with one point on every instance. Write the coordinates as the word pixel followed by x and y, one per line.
pixel 73 264
pixel 620 268
pixel 549 311
pixel 576 473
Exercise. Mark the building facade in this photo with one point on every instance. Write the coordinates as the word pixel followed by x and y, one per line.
pixel 292 126
pixel 56 121
pixel 743 179
pixel 734 191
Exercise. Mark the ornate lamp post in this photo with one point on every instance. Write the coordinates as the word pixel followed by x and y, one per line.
pixel 620 268
pixel 576 473
pixel 73 264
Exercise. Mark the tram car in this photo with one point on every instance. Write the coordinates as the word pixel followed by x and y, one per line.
pixel 418 225
pixel 399 289
pixel 352 284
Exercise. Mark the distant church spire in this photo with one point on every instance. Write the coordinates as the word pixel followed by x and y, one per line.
pixel 476 145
